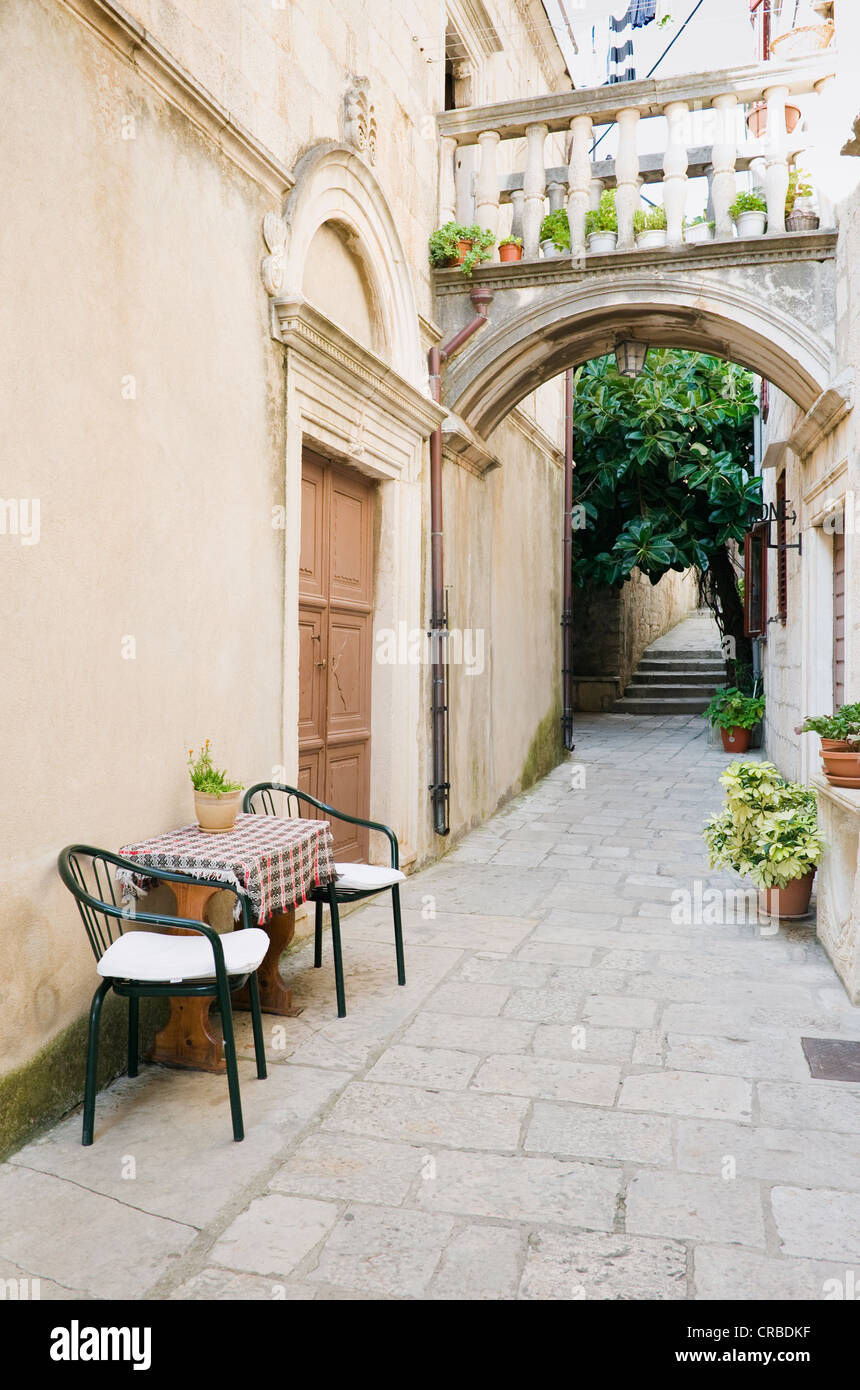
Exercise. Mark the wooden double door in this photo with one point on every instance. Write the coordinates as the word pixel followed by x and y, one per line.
pixel 336 643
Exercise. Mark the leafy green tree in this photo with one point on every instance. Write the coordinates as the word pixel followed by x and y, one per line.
pixel 664 475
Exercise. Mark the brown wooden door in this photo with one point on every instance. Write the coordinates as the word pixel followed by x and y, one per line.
pixel 336 643
pixel 838 619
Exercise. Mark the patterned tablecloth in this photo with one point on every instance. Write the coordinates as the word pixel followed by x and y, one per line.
pixel 275 860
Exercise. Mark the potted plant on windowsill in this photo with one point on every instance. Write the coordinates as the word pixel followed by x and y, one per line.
pixel 601 224
pixel 699 229
pixel 458 245
pixel 768 831
pixel 734 714
pixel 511 248
pixel 749 213
pixel 649 227
pixel 555 234
pixel 216 798
pixel 840 744
pixel 800 215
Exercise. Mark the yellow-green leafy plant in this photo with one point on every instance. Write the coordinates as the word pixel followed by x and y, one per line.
pixel 206 777
pixel 768 830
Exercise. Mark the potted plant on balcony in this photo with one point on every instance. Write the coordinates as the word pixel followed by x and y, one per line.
pixel 458 245
pixel 699 229
pixel 555 233
pixel 799 30
pixel 601 224
pixel 800 215
pixel 511 248
pixel 216 798
pixel 734 714
pixel 749 213
pixel 840 744
pixel 649 227
pixel 768 831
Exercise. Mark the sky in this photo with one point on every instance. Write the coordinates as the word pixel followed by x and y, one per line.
pixel 719 35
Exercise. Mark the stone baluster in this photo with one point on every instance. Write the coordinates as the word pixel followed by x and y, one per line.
pixel 579 182
pixel 776 171
pixel 627 175
pixel 487 182
pixel 595 191
pixel 534 188
pixel 447 182
pixel 724 154
pixel 517 200
pixel 555 193
pixel 675 170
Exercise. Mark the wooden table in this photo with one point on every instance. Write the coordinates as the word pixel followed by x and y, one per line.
pixel 191 1038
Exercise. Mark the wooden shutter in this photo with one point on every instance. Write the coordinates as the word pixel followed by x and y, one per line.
pixel 782 553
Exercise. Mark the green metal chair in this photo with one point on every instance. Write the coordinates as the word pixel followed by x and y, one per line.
pixel 145 965
pixel 354 881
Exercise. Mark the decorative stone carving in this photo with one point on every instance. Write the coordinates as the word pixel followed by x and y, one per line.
pixel 360 119
pixel 275 237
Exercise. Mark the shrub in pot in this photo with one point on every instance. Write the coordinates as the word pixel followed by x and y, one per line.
pixel 555 233
pixel 734 714
pixel 800 215
pixel 511 248
pixel 749 213
pixel 649 227
pixel 216 798
pixel 601 224
pixel 767 831
pixel 456 244
pixel 840 744
pixel 699 229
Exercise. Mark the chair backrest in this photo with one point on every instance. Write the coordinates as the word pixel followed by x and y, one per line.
pixel 88 875
pixel 277 799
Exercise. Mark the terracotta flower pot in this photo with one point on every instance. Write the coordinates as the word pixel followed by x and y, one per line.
pixel 510 253
pixel 841 769
pixel 216 815
pixel 463 249
pixel 790 901
pixel 837 745
pixel 736 739
pixel 757 119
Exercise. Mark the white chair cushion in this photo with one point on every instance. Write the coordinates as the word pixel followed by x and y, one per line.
pixel 147 955
pixel 366 878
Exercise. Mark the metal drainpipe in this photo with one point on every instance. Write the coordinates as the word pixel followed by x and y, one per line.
pixel 567 574
pixel 440 786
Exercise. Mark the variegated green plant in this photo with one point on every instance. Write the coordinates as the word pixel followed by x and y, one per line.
pixel 768 830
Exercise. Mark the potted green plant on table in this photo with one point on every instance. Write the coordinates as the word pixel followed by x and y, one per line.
pixel 800 214
pixel 749 213
pixel 455 244
pixel 650 227
pixel 734 714
pixel 511 248
pixel 216 798
pixel 555 233
pixel 699 229
pixel 601 224
pixel 840 744
pixel 767 831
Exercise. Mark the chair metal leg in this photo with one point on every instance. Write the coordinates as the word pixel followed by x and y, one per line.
pixel 230 1059
pixel 257 1025
pixel 133 1033
pixel 318 931
pixel 398 935
pixel 338 959
pixel 93 1062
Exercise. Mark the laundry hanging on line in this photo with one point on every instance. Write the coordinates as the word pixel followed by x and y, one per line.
pixel 621 63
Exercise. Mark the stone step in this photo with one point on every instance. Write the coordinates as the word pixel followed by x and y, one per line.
pixel 685 653
pixel 643 690
pixel 672 677
pixel 637 706
pixel 650 663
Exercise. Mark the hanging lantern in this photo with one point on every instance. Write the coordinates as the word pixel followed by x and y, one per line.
pixel 630 356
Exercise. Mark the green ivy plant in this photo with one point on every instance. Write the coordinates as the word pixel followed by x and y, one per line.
pixel 556 228
pixel 653 220
pixel 603 218
pixel 730 708
pixel 445 249
pixel 843 726
pixel 206 777
pixel 747 202
pixel 768 830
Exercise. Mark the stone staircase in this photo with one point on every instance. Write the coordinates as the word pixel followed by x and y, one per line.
pixel 677 674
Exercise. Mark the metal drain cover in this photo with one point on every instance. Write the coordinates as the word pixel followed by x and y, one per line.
pixel 832 1059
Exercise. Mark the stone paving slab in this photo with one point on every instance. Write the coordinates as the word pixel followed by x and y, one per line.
pixel 578 1094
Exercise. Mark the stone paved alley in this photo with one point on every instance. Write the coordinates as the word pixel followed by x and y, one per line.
pixel 574 1096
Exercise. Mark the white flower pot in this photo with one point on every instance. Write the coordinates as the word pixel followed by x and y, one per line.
pixel 656 236
pixel 549 249
pixel 751 223
pixel 702 231
pixel 601 242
